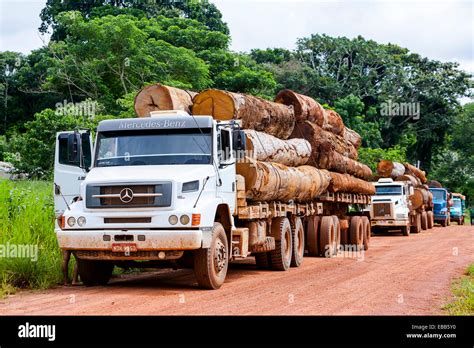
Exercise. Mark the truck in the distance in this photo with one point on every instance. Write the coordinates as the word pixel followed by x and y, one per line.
pixel 442 205
pixel 164 192
pixel 458 208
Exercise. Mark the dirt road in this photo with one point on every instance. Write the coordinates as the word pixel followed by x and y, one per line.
pixel 398 275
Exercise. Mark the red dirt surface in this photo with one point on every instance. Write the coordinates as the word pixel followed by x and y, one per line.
pixel 398 275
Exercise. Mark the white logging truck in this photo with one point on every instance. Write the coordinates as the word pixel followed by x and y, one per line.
pixel 163 191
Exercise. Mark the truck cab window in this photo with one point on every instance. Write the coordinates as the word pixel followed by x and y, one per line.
pixel 86 150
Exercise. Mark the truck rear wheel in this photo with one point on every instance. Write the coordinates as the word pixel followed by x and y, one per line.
pixel 94 272
pixel 424 221
pixel 356 232
pixel 367 232
pixel 444 222
pixel 263 260
pixel 406 230
pixel 210 265
pixel 416 228
pixel 312 235
pixel 448 221
pixel 430 218
pixel 337 234
pixel 298 243
pixel 327 237
pixel 281 256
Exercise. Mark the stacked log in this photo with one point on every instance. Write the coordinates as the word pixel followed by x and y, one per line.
pixel 306 108
pixel 420 197
pixel 333 160
pixel 352 137
pixel 435 184
pixel 256 113
pixel 322 139
pixel 410 178
pixel 389 169
pixel 333 122
pixel 347 183
pixel 267 148
pixel 267 181
pixel 160 97
pixel 416 171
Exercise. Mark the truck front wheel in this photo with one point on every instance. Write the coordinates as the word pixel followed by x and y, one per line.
pixel 424 221
pixel 210 265
pixel 94 272
pixel 281 256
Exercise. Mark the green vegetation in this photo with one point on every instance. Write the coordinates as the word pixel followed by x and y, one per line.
pixel 463 291
pixel 27 219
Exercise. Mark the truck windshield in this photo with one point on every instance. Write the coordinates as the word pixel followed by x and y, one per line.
pixel 456 203
pixel 438 195
pixel 388 190
pixel 154 147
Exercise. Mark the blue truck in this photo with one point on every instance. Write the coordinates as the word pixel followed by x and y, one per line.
pixel 458 208
pixel 441 205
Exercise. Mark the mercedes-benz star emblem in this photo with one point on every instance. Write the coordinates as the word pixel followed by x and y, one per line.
pixel 126 195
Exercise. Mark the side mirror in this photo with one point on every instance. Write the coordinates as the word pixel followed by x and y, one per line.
pixel 240 143
pixel 73 147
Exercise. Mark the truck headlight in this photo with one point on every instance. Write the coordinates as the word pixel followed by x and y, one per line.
pixel 184 219
pixel 71 221
pixel 81 221
pixel 173 220
pixel 191 186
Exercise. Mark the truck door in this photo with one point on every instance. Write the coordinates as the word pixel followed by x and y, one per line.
pixel 70 166
pixel 228 189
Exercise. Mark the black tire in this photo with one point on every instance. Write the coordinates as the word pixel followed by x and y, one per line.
pixel 444 222
pixel 405 230
pixel 312 235
pixel 327 237
pixel 417 227
pixel 210 265
pixel 448 222
pixel 94 272
pixel 424 221
pixel 366 232
pixel 263 260
pixel 430 218
pixel 281 256
pixel 356 235
pixel 337 234
pixel 298 242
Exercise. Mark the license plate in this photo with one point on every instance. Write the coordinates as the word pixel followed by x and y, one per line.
pixel 124 247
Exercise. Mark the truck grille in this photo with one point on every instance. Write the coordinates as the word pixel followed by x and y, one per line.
pixel 128 196
pixel 382 210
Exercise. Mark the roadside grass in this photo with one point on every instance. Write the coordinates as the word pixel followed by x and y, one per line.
pixel 27 219
pixel 463 291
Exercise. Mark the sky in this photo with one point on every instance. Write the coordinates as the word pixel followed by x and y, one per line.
pixel 441 30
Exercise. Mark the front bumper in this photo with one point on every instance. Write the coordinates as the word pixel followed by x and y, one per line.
pixel 389 223
pixel 145 240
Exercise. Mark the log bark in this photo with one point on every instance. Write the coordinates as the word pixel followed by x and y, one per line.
pixel 160 97
pixel 267 148
pixel 420 198
pixel 306 108
pixel 319 139
pixel 256 113
pixel 409 178
pixel 334 161
pixel 266 181
pixel 352 137
pixel 420 174
pixel 333 122
pixel 349 184
pixel 389 169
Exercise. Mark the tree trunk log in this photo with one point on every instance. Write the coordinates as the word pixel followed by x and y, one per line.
pixel 416 171
pixel 160 97
pixel 332 160
pixel 410 178
pixel 389 169
pixel 420 198
pixel 435 184
pixel 306 108
pixel 349 184
pixel 333 122
pixel 266 181
pixel 255 113
pixel 267 148
pixel 319 138
pixel 352 137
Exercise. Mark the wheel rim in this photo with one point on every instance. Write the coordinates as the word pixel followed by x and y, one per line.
pixel 220 256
